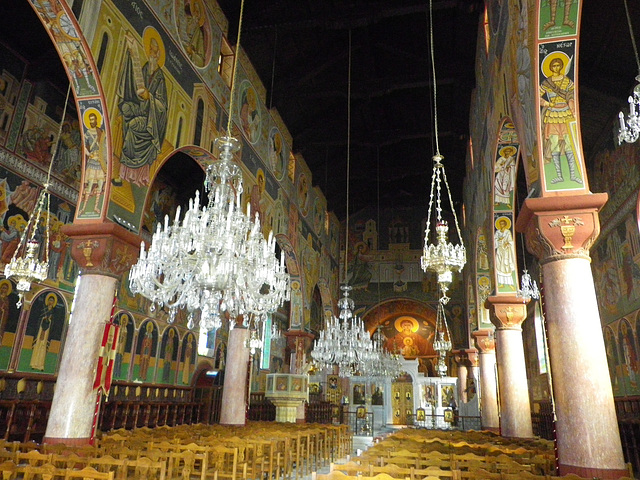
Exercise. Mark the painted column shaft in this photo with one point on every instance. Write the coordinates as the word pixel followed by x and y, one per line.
pixel 74 401
pixel 515 408
pixel 488 393
pixel 587 427
pixel 234 395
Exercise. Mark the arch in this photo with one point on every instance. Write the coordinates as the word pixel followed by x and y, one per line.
pixel 77 60
pixel 395 316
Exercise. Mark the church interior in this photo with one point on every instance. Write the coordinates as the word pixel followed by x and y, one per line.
pixel 352 133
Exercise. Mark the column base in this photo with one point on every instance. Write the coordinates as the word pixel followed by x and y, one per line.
pixel 586 472
pixel 72 442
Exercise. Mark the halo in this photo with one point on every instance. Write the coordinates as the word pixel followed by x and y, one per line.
pixel 546 70
pixel 4 281
pixel 260 174
pixel 89 111
pixel 197 4
pixel 148 34
pixel 51 295
pixel 405 318
pixel 149 327
pixel 499 219
pixel 124 319
pixel 508 147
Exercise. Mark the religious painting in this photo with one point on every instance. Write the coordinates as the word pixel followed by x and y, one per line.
pixel 505 254
pixel 43 337
pixel 505 177
pixel 249 111
pixel 482 253
pixel 66 163
pixel 91 199
pixel 420 415
pixel 303 194
pixel 358 394
pixel 187 359
pixel 9 316
pixel 629 356
pixel 558 18
pixel 361 412
pixel 412 338
pixel 611 349
pixel 124 348
pixel 193 29
pixel 145 361
pixel 277 153
pixel 220 357
pixel 377 396
pixel 334 391
pixel 563 166
pixel 446 396
pixel 167 361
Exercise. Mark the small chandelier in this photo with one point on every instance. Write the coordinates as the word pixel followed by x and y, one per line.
pixel 215 260
pixel 528 287
pixel 442 341
pixel 30 261
pixel 443 257
pixel 630 129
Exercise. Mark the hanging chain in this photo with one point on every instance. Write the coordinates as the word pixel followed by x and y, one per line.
pixel 346 235
pixel 633 40
pixel 433 68
pixel 235 70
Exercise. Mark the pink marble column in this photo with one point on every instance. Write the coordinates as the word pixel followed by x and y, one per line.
pixel 74 401
pixel 234 394
pixel 507 314
pixel 461 361
pixel 103 252
pixel 488 385
pixel 560 231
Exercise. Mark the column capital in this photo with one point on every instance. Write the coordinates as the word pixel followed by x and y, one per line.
pixel 507 311
pixel 485 340
pixel 561 227
pixel 103 248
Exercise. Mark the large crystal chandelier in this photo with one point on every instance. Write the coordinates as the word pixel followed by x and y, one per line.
pixel 344 341
pixel 215 261
pixel 630 130
pixel 442 257
pixel 30 261
pixel 383 363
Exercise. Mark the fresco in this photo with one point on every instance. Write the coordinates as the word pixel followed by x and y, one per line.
pixel 187 359
pixel 43 337
pixel 145 360
pixel 167 361
pixel 505 254
pixel 558 18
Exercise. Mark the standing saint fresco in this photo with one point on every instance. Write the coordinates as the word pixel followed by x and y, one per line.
pixel 144 106
pixel 505 253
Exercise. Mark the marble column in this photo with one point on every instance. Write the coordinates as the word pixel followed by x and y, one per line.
pixel 507 314
pixel 461 361
pixel 234 394
pixel 560 231
pixel 488 385
pixel 103 253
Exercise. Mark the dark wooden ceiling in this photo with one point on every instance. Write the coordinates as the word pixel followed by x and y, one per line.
pixel 300 49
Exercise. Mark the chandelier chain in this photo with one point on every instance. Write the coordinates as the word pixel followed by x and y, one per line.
pixel 633 40
pixel 346 235
pixel 453 210
pixel 433 68
pixel 235 70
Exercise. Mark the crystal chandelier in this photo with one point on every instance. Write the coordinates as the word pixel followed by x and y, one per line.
pixel 383 363
pixel 30 261
pixel 442 341
pixel 528 287
pixel 215 260
pixel 443 257
pixel 344 341
pixel 630 129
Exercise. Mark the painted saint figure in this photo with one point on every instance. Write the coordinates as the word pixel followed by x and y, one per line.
pixel 145 351
pixel 505 176
pixel 186 366
pixel 5 290
pixel 41 341
pixel 96 166
pixel 122 345
pixel 505 257
pixel 144 107
pixel 558 110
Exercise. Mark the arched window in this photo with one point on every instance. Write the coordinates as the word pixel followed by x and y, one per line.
pixel 103 51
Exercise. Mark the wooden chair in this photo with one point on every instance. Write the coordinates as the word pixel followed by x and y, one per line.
pixel 106 463
pixel 223 462
pixel 187 465
pixel 33 458
pixel 45 471
pixel 8 470
pixel 479 474
pixel 88 473
pixel 146 469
